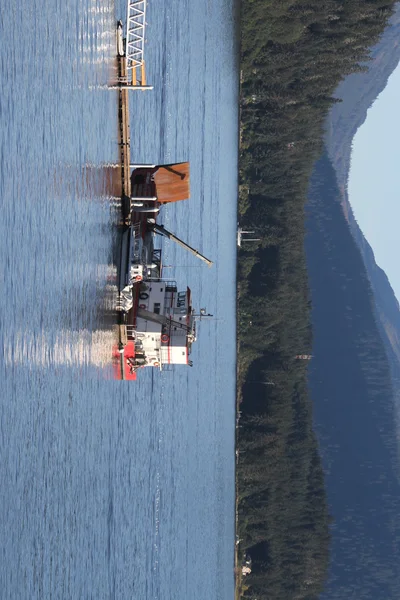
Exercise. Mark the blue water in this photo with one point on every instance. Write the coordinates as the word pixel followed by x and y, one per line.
pixel 110 489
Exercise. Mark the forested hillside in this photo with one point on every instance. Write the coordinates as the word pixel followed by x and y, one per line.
pixel 293 55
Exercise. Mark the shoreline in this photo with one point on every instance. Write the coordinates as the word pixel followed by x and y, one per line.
pixel 237 562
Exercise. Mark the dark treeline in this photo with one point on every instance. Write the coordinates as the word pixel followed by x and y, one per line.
pixel 293 55
pixel 354 404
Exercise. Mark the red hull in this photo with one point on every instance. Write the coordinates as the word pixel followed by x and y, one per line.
pixel 122 366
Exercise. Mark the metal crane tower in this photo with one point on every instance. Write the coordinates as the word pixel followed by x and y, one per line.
pixel 135 38
pixel 130 49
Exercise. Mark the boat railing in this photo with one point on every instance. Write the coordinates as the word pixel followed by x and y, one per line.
pixel 136 228
pixel 170 286
pixel 131 331
pixel 156 258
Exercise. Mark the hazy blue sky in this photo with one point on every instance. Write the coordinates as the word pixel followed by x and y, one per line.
pixel 374 181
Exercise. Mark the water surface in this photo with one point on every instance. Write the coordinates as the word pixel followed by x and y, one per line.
pixel 109 489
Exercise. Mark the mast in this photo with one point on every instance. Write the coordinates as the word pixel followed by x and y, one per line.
pixel 160 229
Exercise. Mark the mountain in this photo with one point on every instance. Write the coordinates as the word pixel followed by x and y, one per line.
pixel 354 404
pixel 354 377
pixel 357 93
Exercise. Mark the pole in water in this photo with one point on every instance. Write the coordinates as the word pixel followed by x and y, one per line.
pixel 142 166
pixel 117 165
pixel 127 86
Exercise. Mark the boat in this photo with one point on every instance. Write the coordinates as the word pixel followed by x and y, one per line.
pixel 159 329
pixel 157 320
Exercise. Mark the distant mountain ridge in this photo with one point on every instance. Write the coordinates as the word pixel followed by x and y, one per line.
pixel 387 305
pixel 357 93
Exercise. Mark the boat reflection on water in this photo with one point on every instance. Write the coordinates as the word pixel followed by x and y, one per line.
pixel 66 348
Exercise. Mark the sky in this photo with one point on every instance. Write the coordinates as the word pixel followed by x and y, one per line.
pixel 374 179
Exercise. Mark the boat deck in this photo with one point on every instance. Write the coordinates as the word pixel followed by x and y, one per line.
pixel 124 137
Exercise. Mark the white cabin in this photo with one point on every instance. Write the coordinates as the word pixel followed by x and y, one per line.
pixel 165 325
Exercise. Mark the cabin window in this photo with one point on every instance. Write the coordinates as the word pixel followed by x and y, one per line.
pixel 161 289
pixel 157 308
pixel 181 299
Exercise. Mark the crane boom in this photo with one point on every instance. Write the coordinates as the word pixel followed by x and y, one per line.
pixel 160 229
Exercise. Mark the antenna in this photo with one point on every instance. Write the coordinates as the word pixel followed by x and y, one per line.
pixel 203 314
